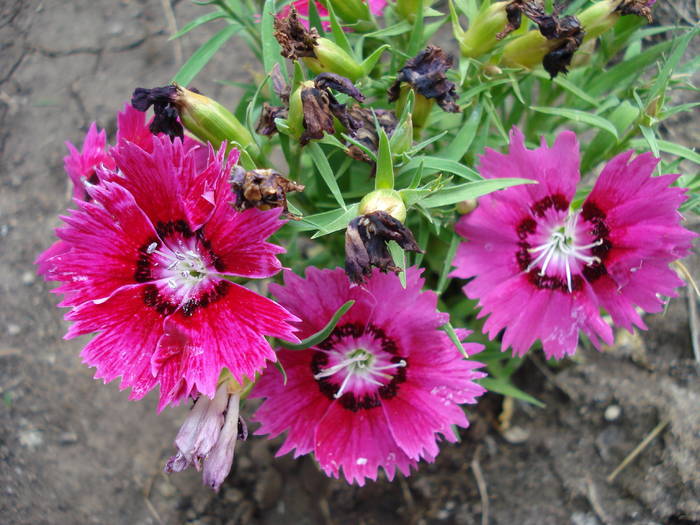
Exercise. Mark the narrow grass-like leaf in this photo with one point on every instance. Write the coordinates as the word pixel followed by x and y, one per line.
pixel 337 31
pixel 650 137
pixel 670 64
pixel 450 331
pixel 214 15
pixel 469 190
pixel 322 334
pixel 399 257
pixel 578 115
pixel 416 40
pixel 506 388
pixel 270 46
pixel 393 30
pixel 438 164
pixel 447 265
pixel 321 162
pixel 315 18
pixel 464 137
pixel 371 61
pixel 673 149
pixel 203 55
pixel 384 179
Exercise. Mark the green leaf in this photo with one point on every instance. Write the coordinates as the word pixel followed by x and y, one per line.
pixel 447 265
pixel 371 61
pixel 457 30
pixel 279 367
pixel 270 46
pixel 394 30
pixel 416 40
pixel 337 31
pixel 322 334
pixel 469 190
pixel 214 15
pixel 578 115
pixel 315 18
pixel 203 55
pixel 567 85
pixel 673 149
pixel 384 179
pixel 438 164
pixel 321 162
pixel 450 331
pixel 399 257
pixel 340 223
pixel 464 137
pixel 650 137
pixel 507 388
pixel 670 64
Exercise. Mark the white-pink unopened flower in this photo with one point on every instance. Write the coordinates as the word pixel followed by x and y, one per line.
pixel 544 270
pixel 381 391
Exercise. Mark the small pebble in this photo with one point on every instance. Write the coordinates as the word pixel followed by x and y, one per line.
pixel 68 438
pixel 28 278
pixel 30 438
pixel 516 435
pixel 13 329
pixel 612 412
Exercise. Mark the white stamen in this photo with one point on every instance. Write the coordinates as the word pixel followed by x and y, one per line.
pixel 152 247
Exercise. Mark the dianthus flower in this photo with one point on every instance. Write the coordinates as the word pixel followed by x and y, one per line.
pixel 380 390
pixel 145 263
pixel 81 166
pixel 543 270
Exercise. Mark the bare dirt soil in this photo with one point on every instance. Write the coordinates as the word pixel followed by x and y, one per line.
pixel 73 451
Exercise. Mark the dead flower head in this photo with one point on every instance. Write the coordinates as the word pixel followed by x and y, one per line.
pixel 295 39
pixel 320 106
pixel 263 189
pixel 366 241
pixel 366 132
pixel 426 74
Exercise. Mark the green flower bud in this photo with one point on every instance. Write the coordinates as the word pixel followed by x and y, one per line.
pixel 350 11
pixel 388 201
pixel 480 37
pixel 331 58
pixel 211 122
pixel 401 139
pixel 295 120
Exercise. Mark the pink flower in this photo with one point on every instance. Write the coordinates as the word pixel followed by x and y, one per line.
pixel 81 166
pixel 380 390
pixel 376 7
pixel 146 265
pixel 543 270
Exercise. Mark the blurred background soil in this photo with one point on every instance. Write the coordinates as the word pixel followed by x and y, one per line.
pixel 73 451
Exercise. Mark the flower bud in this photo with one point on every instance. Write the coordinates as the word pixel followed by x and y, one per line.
pixel 388 201
pixel 466 207
pixel 331 58
pixel 401 139
pixel 408 9
pixel 350 11
pixel 481 36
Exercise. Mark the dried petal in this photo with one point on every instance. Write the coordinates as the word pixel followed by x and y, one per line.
pixel 266 124
pixel 262 189
pixel 365 244
pixel 163 101
pixel 426 74
pixel 366 131
pixel 295 39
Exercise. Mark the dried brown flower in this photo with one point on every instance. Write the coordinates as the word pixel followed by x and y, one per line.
pixel 266 123
pixel 295 39
pixel 366 132
pixel 263 189
pixel 365 244
pixel 426 74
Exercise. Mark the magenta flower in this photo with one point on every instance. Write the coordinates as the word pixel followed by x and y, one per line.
pixel 81 166
pixel 543 270
pixel 381 390
pixel 146 265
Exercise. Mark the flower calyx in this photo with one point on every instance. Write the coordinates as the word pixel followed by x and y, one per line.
pixel 263 189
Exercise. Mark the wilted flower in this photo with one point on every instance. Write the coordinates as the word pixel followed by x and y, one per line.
pixel 146 265
pixel 426 74
pixel 542 270
pixel 261 189
pixel 366 131
pixel 207 438
pixel 381 391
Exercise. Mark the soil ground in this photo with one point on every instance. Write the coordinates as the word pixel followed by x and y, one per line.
pixel 73 451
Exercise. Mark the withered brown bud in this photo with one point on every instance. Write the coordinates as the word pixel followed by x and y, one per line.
pixel 279 84
pixel 366 132
pixel 636 7
pixel 320 106
pixel 263 189
pixel 426 74
pixel 567 28
pixel 163 101
pixel 365 244
pixel 295 39
pixel 266 124
pixel 514 10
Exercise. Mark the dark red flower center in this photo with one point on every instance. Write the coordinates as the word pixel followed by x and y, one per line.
pixel 359 366
pixel 557 249
pixel 180 265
